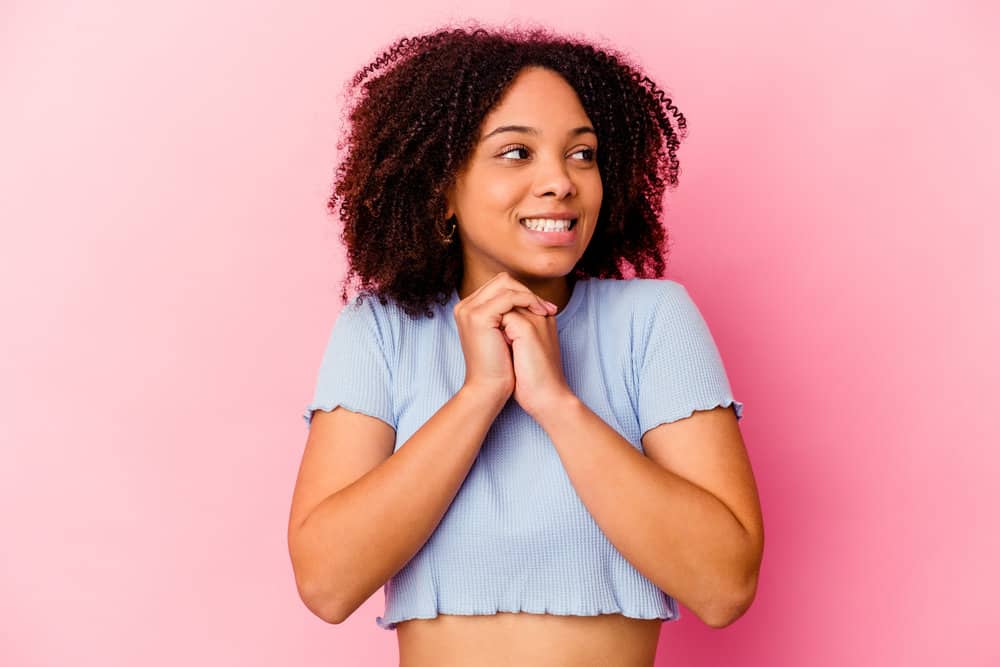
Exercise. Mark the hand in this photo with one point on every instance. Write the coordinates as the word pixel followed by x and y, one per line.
pixel 488 357
pixel 539 378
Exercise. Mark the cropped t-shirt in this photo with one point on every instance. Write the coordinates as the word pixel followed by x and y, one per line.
pixel 517 537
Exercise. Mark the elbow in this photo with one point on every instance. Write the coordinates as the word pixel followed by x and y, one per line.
pixel 740 593
pixel 320 601
pixel 332 615
pixel 323 606
pixel 316 590
pixel 723 615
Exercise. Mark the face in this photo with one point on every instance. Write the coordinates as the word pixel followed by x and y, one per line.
pixel 545 166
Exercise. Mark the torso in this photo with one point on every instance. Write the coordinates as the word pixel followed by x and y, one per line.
pixel 539 640
pixel 545 571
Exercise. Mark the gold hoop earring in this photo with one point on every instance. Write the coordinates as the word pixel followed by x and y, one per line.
pixel 448 239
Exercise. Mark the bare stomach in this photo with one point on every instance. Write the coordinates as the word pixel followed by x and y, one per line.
pixel 540 640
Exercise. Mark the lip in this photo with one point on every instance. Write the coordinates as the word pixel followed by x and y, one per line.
pixel 559 215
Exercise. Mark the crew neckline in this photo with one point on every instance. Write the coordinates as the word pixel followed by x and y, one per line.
pixel 562 317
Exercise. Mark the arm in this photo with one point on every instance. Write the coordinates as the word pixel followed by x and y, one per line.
pixel 356 538
pixel 666 513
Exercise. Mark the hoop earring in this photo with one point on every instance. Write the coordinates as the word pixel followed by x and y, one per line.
pixel 448 239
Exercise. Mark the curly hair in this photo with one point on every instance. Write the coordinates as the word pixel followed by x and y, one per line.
pixel 416 120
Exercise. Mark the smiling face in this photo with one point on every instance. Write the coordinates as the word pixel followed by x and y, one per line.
pixel 535 157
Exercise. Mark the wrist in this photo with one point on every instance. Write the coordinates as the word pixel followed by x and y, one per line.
pixel 555 407
pixel 491 397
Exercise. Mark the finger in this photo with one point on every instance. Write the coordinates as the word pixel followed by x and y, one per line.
pixel 504 281
pixel 512 322
pixel 505 300
pixel 505 278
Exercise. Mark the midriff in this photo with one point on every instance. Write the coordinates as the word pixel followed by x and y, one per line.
pixel 539 640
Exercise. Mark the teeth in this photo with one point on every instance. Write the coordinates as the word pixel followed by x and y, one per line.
pixel 546 225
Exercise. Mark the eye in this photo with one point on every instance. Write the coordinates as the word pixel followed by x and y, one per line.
pixel 511 149
pixel 589 157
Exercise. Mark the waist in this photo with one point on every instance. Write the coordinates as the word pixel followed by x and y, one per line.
pixel 540 640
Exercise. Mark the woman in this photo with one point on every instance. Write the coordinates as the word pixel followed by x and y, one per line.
pixel 536 457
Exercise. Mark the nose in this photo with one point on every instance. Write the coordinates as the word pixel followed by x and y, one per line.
pixel 553 178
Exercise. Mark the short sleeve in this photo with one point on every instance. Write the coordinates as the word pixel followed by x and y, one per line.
pixel 356 367
pixel 680 369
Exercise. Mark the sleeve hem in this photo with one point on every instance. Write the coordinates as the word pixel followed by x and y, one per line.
pixel 666 419
pixel 329 406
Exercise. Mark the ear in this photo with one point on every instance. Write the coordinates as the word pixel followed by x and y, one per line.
pixel 449 198
pixel 450 195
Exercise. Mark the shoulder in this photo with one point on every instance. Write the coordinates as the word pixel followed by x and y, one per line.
pixel 361 311
pixel 643 297
pixel 637 286
pixel 658 290
pixel 392 326
pixel 665 309
pixel 364 315
pixel 636 300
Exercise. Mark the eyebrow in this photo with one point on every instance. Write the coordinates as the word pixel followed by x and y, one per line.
pixel 576 131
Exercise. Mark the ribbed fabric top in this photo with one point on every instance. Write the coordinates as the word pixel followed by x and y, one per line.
pixel 517 537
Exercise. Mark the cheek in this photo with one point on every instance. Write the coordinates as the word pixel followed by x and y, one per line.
pixel 501 193
pixel 495 189
pixel 597 185
pixel 595 196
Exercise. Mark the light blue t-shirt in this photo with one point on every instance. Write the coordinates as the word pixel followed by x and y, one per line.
pixel 517 537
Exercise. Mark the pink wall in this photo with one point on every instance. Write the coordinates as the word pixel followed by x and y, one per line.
pixel 169 276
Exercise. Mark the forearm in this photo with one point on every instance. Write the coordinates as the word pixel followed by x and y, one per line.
pixel 360 536
pixel 678 535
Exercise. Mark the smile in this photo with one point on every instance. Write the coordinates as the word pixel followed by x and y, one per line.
pixel 548 225
pixel 552 233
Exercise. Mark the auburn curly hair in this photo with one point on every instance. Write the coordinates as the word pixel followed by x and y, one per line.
pixel 414 118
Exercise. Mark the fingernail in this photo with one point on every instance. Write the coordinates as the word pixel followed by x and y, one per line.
pixel 551 305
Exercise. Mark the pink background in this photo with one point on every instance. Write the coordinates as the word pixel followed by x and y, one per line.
pixel 169 277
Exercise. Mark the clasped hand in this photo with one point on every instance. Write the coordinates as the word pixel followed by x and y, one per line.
pixel 511 344
pixel 539 380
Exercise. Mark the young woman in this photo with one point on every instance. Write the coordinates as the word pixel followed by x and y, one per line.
pixel 534 455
